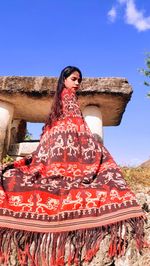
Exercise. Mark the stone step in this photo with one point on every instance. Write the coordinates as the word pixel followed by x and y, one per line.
pixel 23 148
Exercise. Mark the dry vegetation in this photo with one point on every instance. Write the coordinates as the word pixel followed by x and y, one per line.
pixel 137 176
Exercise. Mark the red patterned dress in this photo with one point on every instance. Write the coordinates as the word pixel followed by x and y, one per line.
pixel 70 194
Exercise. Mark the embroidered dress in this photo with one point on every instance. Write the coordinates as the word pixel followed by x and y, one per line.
pixel 66 197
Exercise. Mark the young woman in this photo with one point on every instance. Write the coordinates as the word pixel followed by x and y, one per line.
pixel 68 195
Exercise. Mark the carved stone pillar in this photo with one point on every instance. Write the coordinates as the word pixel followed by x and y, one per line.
pixel 93 117
pixel 6 115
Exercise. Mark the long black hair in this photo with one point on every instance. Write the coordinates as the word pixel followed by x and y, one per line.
pixel 56 109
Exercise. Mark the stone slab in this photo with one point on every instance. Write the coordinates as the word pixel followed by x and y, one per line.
pixel 32 96
pixel 22 149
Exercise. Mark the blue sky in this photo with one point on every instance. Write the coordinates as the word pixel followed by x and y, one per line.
pixel 103 38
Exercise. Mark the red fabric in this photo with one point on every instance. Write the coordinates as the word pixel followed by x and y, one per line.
pixel 71 183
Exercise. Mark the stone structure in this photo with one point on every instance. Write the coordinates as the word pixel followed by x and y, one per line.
pixel 29 99
pixel 102 101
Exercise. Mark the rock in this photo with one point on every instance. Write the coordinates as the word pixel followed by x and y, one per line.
pixel 145 164
pixel 32 96
pixel 144 200
pixel 102 258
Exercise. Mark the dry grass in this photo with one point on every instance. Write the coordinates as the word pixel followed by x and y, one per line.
pixel 136 176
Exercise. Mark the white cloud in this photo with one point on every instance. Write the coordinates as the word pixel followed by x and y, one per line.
pixel 136 17
pixel 133 15
pixel 112 14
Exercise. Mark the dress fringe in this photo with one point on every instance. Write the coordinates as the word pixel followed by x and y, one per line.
pixel 69 248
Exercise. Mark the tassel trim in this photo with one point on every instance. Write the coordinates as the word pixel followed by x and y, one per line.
pixel 71 248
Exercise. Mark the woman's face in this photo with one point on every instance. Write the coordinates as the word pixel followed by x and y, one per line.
pixel 73 81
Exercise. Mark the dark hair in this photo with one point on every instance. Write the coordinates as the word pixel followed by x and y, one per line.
pixel 56 109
